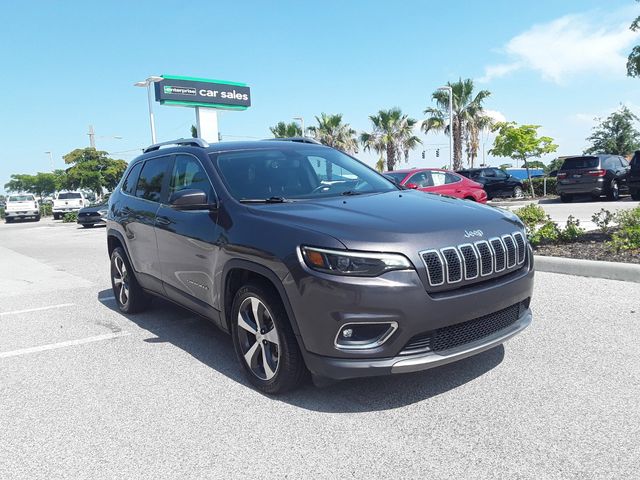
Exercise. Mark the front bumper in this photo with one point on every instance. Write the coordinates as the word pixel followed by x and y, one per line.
pixel 341 368
pixel 592 188
pixel 90 219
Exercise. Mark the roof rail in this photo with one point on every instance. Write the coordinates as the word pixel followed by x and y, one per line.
pixel 295 139
pixel 193 142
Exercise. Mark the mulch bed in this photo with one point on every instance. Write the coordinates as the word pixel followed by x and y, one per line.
pixel 591 246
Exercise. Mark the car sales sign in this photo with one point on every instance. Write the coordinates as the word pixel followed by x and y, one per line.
pixel 201 92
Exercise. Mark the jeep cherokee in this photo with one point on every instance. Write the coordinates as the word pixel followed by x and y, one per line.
pixel 313 261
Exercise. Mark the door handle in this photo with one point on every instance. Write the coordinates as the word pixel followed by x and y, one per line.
pixel 163 221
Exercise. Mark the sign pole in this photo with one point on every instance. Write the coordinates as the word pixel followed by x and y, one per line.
pixel 207 124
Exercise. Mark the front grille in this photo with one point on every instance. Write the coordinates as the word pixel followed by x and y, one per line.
pixel 462 333
pixel 451 265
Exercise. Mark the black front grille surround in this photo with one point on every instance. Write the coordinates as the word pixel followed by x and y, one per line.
pixel 485 258
pixel 463 333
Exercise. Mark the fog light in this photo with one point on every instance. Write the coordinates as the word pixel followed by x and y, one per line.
pixel 362 335
pixel 347 332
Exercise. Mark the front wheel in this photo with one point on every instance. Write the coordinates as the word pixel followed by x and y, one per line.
pixel 517 192
pixel 56 216
pixel 37 218
pixel 566 198
pixel 635 195
pixel 264 341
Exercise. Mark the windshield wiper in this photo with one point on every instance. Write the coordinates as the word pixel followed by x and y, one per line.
pixel 265 200
pixel 351 192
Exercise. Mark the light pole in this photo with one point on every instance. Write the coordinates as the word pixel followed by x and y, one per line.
pixel 147 83
pixel 450 90
pixel 51 160
pixel 301 120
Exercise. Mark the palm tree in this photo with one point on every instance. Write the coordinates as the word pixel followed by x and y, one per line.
pixel 332 132
pixel 466 110
pixel 285 130
pixel 476 126
pixel 392 135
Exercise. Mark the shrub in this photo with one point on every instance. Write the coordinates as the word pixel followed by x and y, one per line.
pixel 1 212
pixel 532 215
pixel 547 233
pixel 71 217
pixel 626 239
pixel 604 220
pixel 572 231
pixel 538 186
pixel 628 218
pixel 45 209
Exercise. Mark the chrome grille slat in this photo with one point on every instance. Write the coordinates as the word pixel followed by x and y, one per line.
pixel 469 261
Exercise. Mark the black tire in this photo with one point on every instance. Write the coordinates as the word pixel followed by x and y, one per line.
pixel 566 198
pixel 87 225
pixel 133 299
pixel 37 218
pixel 517 192
pixel 635 195
pixel 8 220
pixel 274 325
pixel 56 216
pixel 614 191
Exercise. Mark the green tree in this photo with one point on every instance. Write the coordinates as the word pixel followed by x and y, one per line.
pixel 19 183
pixel 467 117
pixel 521 143
pixel 633 62
pixel 285 130
pixel 535 164
pixel 333 132
pixel 615 134
pixel 392 135
pixel 194 131
pixel 554 164
pixel 93 170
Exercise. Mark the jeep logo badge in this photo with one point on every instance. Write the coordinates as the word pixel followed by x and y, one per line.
pixel 473 233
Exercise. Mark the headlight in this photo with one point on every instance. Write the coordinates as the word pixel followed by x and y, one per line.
pixel 102 212
pixel 357 264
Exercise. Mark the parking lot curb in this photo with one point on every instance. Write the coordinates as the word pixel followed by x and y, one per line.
pixel 627 272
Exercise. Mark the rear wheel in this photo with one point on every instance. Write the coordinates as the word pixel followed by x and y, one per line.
pixel 635 195
pixel 614 191
pixel 37 218
pixel 128 294
pixel 264 340
pixel 56 216
pixel 566 198
pixel 517 192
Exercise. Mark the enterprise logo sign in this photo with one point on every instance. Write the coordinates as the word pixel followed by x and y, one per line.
pixel 172 90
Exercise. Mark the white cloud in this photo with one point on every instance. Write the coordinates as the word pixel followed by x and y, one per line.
pixel 570 45
pixel 495 115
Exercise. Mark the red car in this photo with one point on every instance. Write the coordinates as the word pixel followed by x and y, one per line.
pixel 444 182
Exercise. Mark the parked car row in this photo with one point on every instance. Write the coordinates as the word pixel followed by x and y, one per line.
pixel 434 180
pixel 25 205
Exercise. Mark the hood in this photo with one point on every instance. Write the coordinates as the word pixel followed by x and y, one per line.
pixel 399 221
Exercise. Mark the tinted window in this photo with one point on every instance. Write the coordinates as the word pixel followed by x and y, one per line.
pixel 396 176
pixel 575 163
pixel 69 195
pixel 489 173
pixel 21 198
pixel 129 184
pixel 635 161
pixel 151 178
pixel 421 179
pixel 188 174
pixel 296 173
pixel 452 178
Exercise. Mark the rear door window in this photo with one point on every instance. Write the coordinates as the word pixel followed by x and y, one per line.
pixel 69 196
pixel 578 163
pixel 635 161
pixel 129 184
pixel 152 178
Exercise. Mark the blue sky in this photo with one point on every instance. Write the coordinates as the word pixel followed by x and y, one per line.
pixel 66 65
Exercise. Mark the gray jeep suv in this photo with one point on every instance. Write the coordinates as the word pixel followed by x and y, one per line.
pixel 313 261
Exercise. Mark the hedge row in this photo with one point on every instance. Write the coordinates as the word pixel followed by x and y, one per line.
pixel 538 186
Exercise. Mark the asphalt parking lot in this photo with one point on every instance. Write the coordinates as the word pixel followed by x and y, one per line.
pixel 86 392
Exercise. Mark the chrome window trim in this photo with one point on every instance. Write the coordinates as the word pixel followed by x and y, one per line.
pixel 427 268
pixel 515 250
pixel 495 256
pixel 446 263
pixel 476 254
pixel 491 252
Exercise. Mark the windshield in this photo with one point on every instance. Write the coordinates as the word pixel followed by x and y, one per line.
pixel 21 198
pixel 396 176
pixel 575 163
pixel 299 173
pixel 69 195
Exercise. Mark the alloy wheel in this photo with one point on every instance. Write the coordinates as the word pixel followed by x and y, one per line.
pixel 121 280
pixel 258 338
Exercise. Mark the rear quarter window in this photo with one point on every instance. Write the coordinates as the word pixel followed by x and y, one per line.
pixel 575 163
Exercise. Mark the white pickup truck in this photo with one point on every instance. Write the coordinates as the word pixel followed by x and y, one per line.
pixel 66 202
pixel 22 206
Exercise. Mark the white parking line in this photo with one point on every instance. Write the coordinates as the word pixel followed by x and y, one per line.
pixel 16 312
pixel 53 346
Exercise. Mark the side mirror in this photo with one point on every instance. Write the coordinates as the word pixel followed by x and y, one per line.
pixel 412 186
pixel 190 199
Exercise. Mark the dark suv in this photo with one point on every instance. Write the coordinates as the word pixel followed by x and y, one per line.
pixel 496 182
pixel 634 176
pixel 315 262
pixel 594 175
